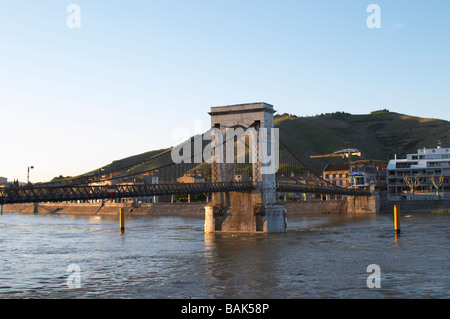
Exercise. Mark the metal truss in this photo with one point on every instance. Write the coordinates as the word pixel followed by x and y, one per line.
pixel 34 194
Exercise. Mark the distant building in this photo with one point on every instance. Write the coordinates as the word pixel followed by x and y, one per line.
pixel 381 178
pixel 362 174
pixel 110 179
pixel 337 174
pixel 426 173
pixel 150 179
pixel 3 180
pixel 357 174
pixel 190 178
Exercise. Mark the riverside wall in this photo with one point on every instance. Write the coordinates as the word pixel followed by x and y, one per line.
pixel 351 205
pixel 168 209
pixel 387 206
pixel 173 209
pixel 417 206
pixel 317 207
pixel 197 209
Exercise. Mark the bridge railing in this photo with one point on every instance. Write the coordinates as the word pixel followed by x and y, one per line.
pixel 30 194
pixel 302 188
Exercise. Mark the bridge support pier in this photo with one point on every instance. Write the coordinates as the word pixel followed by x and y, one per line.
pixel 253 211
pixel 1 209
pixel 243 215
pixel 363 204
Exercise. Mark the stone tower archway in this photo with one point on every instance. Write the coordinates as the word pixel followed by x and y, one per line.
pixel 249 211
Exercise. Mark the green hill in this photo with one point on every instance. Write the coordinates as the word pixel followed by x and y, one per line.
pixel 379 136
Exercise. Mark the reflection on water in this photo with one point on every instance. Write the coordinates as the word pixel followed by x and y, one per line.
pixel 321 256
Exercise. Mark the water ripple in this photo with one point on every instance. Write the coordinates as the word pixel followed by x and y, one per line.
pixel 320 257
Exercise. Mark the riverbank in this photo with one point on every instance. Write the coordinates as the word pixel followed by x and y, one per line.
pixel 198 209
pixel 174 209
pixel 167 209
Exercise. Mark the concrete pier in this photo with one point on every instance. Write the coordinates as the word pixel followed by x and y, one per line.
pixel 252 211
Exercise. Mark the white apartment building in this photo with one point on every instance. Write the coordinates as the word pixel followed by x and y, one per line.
pixel 425 174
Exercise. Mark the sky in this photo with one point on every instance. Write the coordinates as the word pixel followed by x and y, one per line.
pixel 80 88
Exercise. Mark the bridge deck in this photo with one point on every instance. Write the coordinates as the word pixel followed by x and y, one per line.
pixel 71 193
pixel 309 189
pixel 34 194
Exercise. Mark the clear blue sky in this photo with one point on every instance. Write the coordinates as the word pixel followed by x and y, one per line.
pixel 72 100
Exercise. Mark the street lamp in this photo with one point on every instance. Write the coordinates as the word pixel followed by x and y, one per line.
pixel 28 174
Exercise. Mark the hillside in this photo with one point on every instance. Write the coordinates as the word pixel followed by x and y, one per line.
pixel 128 164
pixel 379 136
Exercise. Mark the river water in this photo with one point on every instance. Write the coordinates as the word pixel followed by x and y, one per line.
pixel 321 256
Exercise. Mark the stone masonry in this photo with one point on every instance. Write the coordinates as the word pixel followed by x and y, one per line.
pixel 253 211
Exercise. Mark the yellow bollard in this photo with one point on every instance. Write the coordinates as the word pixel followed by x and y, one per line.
pixel 397 219
pixel 122 219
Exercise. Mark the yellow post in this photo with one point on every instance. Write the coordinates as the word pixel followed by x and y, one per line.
pixel 397 219
pixel 122 219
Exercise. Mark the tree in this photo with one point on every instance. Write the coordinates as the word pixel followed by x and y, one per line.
pixel 377 112
pixel 437 184
pixel 412 183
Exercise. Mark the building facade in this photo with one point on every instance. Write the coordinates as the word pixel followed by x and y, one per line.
pixel 150 179
pixel 337 174
pixel 191 178
pixel 423 175
pixel 357 174
pixel 362 174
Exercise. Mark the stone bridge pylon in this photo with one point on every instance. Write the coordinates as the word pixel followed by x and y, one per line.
pixel 245 133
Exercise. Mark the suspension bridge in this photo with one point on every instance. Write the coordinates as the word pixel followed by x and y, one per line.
pixel 36 194
pixel 244 174
pixel 292 176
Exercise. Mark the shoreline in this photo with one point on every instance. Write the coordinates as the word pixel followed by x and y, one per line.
pixel 109 209
pixel 197 209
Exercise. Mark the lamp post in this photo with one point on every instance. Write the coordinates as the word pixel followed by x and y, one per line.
pixel 28 174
